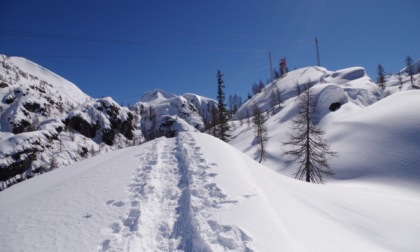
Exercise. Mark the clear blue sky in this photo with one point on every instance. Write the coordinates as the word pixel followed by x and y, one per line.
pixel 125 48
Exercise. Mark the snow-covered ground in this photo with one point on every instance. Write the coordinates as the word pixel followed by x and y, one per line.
pixel 196 193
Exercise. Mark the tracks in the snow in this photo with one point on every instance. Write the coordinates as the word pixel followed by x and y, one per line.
pixel 172 201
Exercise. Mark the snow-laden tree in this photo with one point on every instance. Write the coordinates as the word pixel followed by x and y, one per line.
pixel 309 148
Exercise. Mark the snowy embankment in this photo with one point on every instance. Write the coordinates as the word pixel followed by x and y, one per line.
pixel 196 193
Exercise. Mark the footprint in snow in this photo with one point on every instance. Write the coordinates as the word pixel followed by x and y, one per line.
pixel 87 216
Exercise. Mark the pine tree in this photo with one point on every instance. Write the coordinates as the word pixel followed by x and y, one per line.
pixel 260 132
pixel 223 126
pixel 381 76
pixel 309 148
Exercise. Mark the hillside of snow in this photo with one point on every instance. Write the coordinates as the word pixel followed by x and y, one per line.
pixel 196 193
pixel 376 136
pixel 47 121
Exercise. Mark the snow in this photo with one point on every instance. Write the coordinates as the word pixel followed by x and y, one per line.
pixel 34 105
pixel 196 193
pixel 156 96
pixel 70 90
pixel 191 108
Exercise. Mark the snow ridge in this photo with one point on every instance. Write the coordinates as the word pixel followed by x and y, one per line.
pixel 172 200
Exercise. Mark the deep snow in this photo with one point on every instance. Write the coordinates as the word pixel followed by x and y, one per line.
pixel 196 193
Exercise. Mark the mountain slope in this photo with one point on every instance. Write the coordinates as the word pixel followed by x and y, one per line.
pixel 194 192
pixel 47 121
pixel 376 137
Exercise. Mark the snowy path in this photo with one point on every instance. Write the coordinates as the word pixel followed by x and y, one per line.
pixel 172 199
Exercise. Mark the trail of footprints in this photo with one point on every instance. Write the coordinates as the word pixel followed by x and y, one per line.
pixel 171 204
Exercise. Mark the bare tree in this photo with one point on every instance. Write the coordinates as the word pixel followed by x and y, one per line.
pixel 260 132
pixel 309 148
pixel 409 63
pixel 381 76
pixel 400 81
pixel 298 88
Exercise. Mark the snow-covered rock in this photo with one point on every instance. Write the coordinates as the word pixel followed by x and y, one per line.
pixel 101 119
pixel 36 109
pixel 156 105
pixel 353 82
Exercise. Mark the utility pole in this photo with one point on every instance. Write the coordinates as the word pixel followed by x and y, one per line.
pixel 317 52
pixel 271 66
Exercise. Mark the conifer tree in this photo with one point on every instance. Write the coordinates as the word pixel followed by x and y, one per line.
pixel 381 76
pixel 409 63
pixel 309 148
pixel 223 126
pixel 260 132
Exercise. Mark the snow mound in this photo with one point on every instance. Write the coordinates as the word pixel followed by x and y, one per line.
pixel 328 98
pixel 379 142
pixel 345 75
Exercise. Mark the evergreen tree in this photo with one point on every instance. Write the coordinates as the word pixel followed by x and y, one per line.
pixel 309 148
pixel 260 132
pixel 223 126
pixel 381 76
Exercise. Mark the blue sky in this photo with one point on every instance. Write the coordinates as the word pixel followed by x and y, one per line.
pixel 125 48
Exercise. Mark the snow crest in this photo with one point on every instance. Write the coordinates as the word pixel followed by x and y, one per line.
pixel 172 200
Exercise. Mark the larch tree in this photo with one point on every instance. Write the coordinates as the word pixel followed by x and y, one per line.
pixel 381 76
pixel 223 126
pixel 409 63
pixel 260 131
pixel 309 148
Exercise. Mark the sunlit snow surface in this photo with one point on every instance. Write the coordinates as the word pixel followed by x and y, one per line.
pixel 196 193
